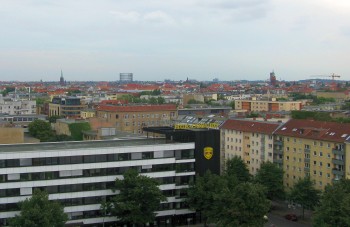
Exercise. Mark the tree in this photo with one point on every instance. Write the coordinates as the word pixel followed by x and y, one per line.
pixel 305 194
pixel 334 208
pixel 54 118
pixel 39 211
pixel 138 198
pixel 41 129
pixel 203 195
pixel 245 205
pixel 270 176
pixel 237 168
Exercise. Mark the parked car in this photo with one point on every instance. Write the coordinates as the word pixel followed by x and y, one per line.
pixel 291 217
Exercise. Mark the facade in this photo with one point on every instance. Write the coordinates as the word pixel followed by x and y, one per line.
pixel 313 148
pixel 68 107
pixel 81 174
pixel 21 107
pixel 88 113
pixel 251 140
pixel 11 135
pixel 125 77
pixel 267 105
pixel 133 118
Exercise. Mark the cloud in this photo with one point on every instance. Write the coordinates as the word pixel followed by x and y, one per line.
pixel 127 16
pixel 158 17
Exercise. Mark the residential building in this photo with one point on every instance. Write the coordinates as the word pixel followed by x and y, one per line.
pixel 80 175
pixel 68 107
pixel 267 105
pixel 251 140
pixel 87 113
pixel 132 118
pixel 313 148
pixel 14 107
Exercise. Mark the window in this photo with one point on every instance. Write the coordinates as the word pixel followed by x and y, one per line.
pixel 321 154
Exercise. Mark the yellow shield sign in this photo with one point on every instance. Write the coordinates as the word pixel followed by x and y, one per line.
pixel 208 152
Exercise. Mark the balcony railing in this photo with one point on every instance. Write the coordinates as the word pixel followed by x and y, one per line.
pixel 338 161
pixel 307 150
pixel 338 172
pixel 337 151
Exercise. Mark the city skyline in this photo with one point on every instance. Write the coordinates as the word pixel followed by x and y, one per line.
pixel 154 40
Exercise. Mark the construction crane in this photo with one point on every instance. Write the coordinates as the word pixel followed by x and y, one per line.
pixel 333 85
pixel 332 75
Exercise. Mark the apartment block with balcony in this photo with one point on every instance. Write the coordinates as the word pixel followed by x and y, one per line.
pixel 132 118
pixel 68 107
pixel 80 175
pixel 313 148
pixel 253 141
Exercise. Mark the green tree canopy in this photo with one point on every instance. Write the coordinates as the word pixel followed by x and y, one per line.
pixel 244 205
pixel 270 176
pixel 203 195
pixel 334 209
pixel 305 194
pixel 39 211
pixel 237 168
pixel 41 130
pixel 138 198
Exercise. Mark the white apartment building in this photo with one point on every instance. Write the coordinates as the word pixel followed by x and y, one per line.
pixel 81 174
pixel 19 107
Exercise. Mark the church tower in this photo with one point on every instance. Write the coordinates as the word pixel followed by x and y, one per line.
pixel 62 83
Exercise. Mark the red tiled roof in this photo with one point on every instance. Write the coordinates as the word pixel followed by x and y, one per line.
pixel 315 130
pixel 250 126
pixel 144 108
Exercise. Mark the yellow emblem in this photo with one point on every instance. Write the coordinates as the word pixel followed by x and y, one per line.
pixel 208 152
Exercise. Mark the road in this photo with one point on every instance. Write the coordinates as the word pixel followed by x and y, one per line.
pixel 278 221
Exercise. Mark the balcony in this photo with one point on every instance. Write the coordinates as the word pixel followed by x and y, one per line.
pixel 337 151
pixel 306 159
pixel 338 172
pixel 307 150
pixel 338 161
pixel 307 169
pixel 278 151
pixel 279 161
pixel 278 142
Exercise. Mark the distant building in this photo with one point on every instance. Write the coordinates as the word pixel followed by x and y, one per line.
pixel 125 77
pixel 267 105
pixel 134 118
pixel 11 107
pixel 62 81
pixel 69 107
pixel 273 80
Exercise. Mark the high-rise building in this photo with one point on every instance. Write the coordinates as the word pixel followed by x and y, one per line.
pixel 125 77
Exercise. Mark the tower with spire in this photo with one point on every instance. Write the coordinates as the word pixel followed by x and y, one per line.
pixel 62 83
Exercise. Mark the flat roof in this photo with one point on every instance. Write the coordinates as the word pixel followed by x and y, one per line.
pixel 81 144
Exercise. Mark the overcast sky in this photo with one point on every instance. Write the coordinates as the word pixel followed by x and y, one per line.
pixel 173 39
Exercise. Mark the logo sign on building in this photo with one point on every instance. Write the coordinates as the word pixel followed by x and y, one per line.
pixel 208 152
pixel 203 125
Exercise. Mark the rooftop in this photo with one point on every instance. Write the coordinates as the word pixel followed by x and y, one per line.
pixel 79 144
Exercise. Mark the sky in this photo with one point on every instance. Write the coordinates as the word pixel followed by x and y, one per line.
pixel 173 39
